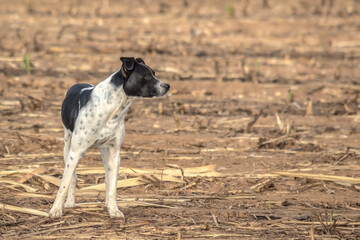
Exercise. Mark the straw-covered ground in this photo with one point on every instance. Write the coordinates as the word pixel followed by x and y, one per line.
pixel 259 137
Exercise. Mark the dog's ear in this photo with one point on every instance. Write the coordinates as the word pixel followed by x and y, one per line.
pixel 140 60
pixel 128 63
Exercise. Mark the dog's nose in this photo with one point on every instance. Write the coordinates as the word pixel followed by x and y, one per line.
pixel 166 86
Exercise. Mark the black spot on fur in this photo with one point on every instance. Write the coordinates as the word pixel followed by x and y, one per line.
pixel 109 98
pixel 70 107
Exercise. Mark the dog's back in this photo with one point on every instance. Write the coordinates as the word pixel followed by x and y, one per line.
pixel 76 98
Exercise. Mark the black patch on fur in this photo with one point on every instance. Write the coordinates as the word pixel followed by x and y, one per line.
pixel 117 79
pixel 70 107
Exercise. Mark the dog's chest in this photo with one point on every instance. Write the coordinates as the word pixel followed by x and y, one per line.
pixel 110 123
pixel 113 121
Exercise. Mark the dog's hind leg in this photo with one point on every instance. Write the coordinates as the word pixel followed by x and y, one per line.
pixel 70 200
pixel 72 161
pixel 67 143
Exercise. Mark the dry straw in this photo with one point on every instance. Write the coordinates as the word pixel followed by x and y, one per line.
pixel 23 210
pixel 321 177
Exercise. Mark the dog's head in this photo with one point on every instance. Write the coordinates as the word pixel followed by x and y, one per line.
pixel 140 80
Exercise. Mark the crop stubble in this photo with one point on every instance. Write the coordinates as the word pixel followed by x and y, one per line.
pixel 259 137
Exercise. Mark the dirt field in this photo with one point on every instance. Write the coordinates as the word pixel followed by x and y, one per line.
pixel 259 137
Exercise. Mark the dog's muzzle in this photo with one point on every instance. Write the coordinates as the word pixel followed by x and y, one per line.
pixel 163 89
pixel 165 86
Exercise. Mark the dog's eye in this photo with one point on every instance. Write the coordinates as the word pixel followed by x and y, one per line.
pixel 147 77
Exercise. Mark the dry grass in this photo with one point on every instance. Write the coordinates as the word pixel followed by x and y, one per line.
pixel 258 138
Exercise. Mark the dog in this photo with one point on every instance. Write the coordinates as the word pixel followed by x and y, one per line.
pixel 93 117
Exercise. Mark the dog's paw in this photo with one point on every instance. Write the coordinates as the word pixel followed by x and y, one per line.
pixel 115 212
pixel 55 212
pixel 69 204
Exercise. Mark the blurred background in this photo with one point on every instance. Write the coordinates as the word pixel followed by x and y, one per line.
pixel 262 40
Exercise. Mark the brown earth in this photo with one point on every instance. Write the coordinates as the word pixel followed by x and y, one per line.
pixel 258 138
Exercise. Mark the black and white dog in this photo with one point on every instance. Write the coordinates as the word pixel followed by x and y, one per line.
pixel 94 117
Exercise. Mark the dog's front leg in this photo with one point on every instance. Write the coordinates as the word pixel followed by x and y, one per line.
pixel 112 170
pixel 105 157
pixel 71 163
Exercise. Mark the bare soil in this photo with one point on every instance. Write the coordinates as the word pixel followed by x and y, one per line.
pixel 264 94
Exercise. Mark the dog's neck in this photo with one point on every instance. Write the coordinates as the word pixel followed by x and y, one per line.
pixel 118 78
pixel 123 100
